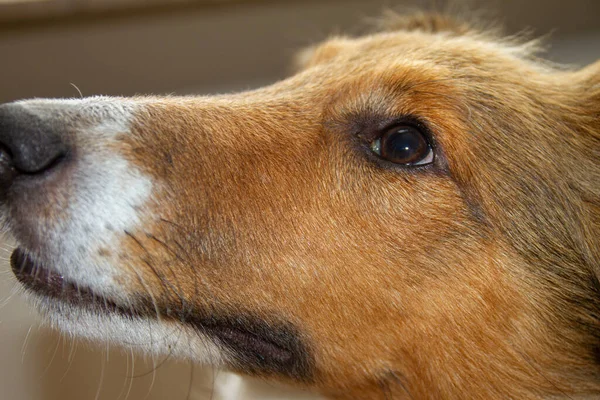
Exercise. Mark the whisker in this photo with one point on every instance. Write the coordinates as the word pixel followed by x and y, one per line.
pixel 153 378
pixel 51 358
pixel 186 310
pixel 189 391
pixel 132 372
pixel 102 371
pixel 164 282
pixel 70 356
pixel 155 367
pixel 25 343
pixel 76 88
pixel 161 219
pixel 400 383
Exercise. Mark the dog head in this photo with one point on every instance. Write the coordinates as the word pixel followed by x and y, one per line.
pixel 414 213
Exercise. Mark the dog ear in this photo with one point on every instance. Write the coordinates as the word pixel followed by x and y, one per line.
pixel 319 54
pixel 588 107
pixel 588 95
pixel 429 22
pixel 591 75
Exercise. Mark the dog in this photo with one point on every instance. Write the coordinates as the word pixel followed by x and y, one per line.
pixel 414 214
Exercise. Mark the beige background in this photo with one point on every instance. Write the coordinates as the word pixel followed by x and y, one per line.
pixel 184 49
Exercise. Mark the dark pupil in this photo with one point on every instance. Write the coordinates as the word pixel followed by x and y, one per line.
pixel 404 145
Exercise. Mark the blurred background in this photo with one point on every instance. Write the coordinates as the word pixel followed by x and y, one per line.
pixel 59 48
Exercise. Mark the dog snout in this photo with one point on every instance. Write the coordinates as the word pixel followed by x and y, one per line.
pixel 29 144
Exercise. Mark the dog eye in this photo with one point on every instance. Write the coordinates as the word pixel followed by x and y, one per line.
pixel 404 145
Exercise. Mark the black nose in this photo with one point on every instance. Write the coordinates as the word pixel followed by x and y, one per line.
pixel 29 144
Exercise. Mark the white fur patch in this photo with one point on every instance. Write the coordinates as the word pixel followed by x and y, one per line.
pixel 109 193
pixel 101 109
pixel 103 196
pixel 149 336
pixel 100 197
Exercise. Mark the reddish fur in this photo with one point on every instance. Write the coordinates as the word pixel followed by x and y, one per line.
pixel 479 282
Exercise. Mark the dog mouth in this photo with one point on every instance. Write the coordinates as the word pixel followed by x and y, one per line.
pixel 257 346
pixel 47 283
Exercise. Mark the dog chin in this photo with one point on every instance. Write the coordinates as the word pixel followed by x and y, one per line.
pixel 81 312
pixel 145 335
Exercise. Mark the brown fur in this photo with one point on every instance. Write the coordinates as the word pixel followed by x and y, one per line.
pixel 476 278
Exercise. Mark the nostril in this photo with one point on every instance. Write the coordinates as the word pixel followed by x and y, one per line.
pixel 7 169
pixel 34 164
pixel 28 144
pixel 42 167
pixel 5 157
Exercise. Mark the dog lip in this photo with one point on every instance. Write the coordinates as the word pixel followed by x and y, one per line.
pixel 33 275
pixel 256 346
pixel 43 281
